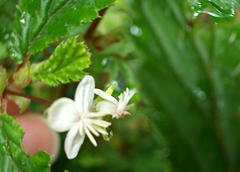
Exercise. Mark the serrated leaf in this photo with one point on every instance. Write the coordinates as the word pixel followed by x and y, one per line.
pixel 67 62
pixel 13 158
pixel 191 78
pixel 39 23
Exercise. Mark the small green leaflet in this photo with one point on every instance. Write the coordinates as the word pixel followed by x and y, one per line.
pixel 3 79
pixel 67 62
pixel 12 156
pixel 38 23
pixel 21 77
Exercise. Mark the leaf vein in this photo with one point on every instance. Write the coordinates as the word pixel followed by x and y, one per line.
pixel 49 19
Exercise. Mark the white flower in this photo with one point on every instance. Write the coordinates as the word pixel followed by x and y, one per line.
pixel 65 114
pixel 112 106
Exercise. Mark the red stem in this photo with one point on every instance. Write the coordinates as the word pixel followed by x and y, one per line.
pixel 28 96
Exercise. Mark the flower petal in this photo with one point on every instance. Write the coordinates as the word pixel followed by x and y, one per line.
pixel 107 107
pixel 96 114
pixel 73 142
pixel 91 128
pixel 105 96
pixel 84 94
pixel 90 136
pixel 99 129
pixel 124 98
pixel 62 114
pixel 98 122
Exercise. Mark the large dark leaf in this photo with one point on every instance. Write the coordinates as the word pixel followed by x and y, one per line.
pixel 191 76
pixel 39 23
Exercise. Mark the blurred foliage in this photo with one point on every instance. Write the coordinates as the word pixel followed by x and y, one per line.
pixel 8 10
pixel 183 57
pixel 189 73
pixel 133 146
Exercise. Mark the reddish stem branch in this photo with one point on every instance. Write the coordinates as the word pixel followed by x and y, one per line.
pixel 28 96
pixel 25 59
pixel 89 34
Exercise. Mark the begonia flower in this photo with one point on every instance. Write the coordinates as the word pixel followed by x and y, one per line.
pixel 112 106
pixel 65 114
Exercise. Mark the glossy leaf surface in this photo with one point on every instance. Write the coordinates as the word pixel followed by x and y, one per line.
pixel 13 158
pixel 218 10
pixel 39 23
pixel 67 62
pixel 7 13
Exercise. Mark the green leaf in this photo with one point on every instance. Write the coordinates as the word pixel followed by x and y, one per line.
pixel 39 23
pixel 7 13
pixel 13 158
pixel 21 102
pixel 67 62
pixel 21 77
pixel 3 80
pixel 218 10
pixel 191 78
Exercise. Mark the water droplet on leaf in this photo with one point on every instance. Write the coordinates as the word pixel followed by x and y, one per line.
pixel 136 31
pixel 22 21
pixel 104 62
pixel 166 151
pixel 200 94
pixel 155 114
pixel 232 37
pixel 109 134
pixel 6 36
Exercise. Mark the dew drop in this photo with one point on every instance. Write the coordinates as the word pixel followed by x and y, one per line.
pixel 109 134
pixel 155 114
pixel 166 151
pixel 199 5
pixel 104 62
pixel 22 21
pixel 232 37
pixel 200 94
pixel 6 36
pixel 136 31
